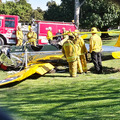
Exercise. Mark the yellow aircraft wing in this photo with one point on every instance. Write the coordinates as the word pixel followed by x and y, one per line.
pixel 116 55
pixel 37 68
pixel 84 36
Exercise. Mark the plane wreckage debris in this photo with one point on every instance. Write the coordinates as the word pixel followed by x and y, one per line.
pixel 40 62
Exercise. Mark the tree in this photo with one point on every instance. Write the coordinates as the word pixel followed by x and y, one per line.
pixel 38 14
pixel 67 10
pixel 7 8
pixel 53 11
pixel 116 1
pixel 22 2
pixel 101 14
pixel 20 8
pixel 62 12
pixel 24 10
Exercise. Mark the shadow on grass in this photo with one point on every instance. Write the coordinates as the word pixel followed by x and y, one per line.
pixel 106 70
pixel 107 57
pixel 11 84
pixel 81 101
pixel 67 103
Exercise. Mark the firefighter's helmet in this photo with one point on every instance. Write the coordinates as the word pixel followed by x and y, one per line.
pixel 71 35
pixel 76 32
pixel 94 30
pixel 49 28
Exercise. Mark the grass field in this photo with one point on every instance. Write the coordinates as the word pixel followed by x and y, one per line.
pixel 56 96
pixel 59 97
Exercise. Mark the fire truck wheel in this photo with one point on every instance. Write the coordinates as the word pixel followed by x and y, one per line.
pixel 1 41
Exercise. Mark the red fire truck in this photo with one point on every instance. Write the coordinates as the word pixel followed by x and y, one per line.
pixel 9 23
pixel 42 28
pixel 8 27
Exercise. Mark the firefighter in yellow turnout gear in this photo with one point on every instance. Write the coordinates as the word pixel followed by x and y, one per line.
pixel 19 35
pixel 69 50
pixel 95 49
pixel 82 51
pixel 79 65
pixel 32 37
pixel 49 35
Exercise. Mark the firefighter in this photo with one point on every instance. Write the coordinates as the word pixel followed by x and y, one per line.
pixel 95 49
pixel 49 35
pixel 32 37
pixel 59 36
pixel 69 49
pixel 82 51
pixel 79 65
pixel 78 49
pixel 19 35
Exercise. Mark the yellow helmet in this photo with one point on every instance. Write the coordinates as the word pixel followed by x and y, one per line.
pixel 76 32
pixel 73 21
pixel 94 30
pixel 71 35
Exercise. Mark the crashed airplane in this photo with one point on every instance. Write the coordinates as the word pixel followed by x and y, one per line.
pixel 41 59
pixel 28 61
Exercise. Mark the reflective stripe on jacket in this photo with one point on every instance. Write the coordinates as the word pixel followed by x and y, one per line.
pixel 69 50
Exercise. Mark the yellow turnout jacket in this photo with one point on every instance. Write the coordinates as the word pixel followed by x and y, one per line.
pixel 82 46
pixel 32 36
pixel 95 43
pixel 49 35
pixel 69 49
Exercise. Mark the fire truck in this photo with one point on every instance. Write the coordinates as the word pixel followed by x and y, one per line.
pixel 42 28
pixel 9 23
pixel 8 27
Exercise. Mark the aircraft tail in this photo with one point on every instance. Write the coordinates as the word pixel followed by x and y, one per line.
pixel 118 42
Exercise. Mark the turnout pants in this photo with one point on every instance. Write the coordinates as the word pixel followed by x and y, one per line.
pixel 32 42
pixel 20 42
pixel 79 66
pixel 97 61
pixel 73 68
pixel 83 62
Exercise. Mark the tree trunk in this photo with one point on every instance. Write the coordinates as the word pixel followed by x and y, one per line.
pixel 77 12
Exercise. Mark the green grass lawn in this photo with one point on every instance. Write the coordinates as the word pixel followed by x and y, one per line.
pixel 56 96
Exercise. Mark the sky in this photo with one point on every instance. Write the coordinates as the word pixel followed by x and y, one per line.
pixel 38 3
